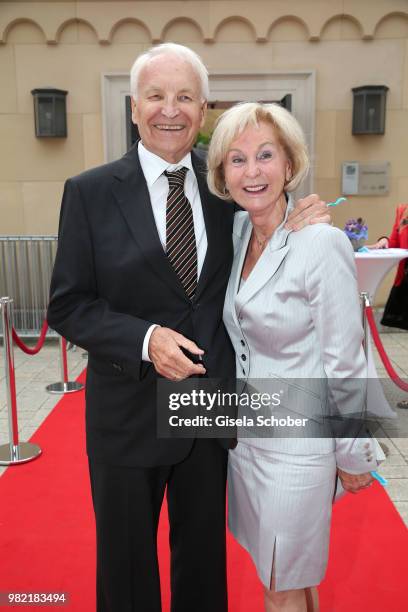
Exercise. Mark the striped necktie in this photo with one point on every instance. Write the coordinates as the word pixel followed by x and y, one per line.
pixel 180 238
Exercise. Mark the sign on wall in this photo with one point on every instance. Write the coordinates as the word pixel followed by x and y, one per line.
pixel 365 179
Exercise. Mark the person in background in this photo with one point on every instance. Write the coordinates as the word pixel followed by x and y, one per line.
pixel 288 316
pixel 396 308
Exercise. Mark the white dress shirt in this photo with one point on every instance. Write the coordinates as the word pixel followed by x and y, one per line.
pixel 153 167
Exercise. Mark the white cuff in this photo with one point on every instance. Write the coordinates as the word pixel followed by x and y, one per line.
pixel 145 349
pixel 359 455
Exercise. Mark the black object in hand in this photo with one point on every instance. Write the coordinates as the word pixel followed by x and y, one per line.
pixel 197 359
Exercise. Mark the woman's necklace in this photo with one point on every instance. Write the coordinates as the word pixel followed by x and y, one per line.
pixel 261 243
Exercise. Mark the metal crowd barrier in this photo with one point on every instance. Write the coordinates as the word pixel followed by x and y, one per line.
pixel 26 264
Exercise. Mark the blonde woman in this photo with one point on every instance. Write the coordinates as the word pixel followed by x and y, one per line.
pixel 291 311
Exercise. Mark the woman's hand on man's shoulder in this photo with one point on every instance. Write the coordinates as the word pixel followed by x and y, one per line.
pixel 307 211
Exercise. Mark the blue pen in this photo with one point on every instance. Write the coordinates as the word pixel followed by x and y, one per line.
pixel 380 479
pixel 337 202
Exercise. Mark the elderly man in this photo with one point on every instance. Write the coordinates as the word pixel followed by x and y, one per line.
pixel 143 261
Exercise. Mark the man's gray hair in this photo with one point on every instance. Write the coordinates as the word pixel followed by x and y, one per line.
pixel 180 51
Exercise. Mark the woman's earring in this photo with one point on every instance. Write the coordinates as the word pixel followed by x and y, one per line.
pixel 288 174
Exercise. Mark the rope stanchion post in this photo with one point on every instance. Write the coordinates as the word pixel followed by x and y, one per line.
pixel 15 452
pixel 65 386
pixel 365 301
pixel 369 325
pixel 381 351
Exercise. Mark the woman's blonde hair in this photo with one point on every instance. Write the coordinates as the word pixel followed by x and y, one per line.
pixel 235 120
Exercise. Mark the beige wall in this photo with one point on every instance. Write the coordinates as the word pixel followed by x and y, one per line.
pixel 70 44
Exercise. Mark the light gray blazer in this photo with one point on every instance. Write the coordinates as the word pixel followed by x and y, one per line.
pixel 297 316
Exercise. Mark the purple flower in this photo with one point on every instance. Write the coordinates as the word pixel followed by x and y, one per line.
pixel 356 229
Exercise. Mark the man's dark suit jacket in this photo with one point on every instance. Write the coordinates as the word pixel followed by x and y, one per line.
pixel 111 281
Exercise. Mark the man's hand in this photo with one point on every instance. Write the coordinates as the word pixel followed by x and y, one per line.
pixel 167 357
pixel 354 482
pixel 307 211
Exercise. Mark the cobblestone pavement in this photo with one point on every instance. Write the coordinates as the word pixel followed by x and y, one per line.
pixel 33 373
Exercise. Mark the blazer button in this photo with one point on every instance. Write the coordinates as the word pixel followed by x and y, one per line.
pixel 242 343
pixel 243 357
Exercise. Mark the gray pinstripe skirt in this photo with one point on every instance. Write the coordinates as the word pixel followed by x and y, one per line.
pixel 279 510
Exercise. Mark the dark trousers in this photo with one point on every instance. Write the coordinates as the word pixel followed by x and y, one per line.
pixel 127 502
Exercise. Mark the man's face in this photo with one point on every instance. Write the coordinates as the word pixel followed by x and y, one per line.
pixel 169 110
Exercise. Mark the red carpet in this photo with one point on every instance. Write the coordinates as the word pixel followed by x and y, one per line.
pixel 47 538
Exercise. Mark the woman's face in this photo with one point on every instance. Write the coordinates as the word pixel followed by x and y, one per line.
pixel 256 168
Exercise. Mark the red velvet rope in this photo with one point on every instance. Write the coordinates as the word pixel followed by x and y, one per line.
pixel 36 349
pixel 380 348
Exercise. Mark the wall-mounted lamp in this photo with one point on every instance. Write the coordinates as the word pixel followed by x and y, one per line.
pixel 369 109
pixel 50 113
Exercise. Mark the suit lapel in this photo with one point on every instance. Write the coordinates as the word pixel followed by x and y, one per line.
pixel 241 241
pixel 265 268
pixel 132 195
pixel 212 210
